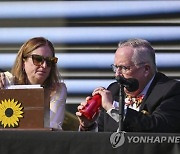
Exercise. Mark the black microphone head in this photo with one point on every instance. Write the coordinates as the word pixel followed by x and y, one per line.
pixel 133 86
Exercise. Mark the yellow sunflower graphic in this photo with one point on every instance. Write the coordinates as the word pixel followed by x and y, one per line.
pixel 10 112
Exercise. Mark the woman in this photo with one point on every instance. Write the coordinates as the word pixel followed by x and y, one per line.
pixel 36 64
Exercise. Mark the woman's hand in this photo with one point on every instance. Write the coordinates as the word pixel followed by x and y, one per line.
pixel 2 80
pixel 6 79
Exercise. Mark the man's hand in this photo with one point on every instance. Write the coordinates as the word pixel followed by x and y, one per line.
pixel 84 122
pixel 106 97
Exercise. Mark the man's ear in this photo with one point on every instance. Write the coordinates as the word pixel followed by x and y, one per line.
pixel 147 69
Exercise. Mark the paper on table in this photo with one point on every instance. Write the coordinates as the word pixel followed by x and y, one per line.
pixel 24 86
pixel 10 83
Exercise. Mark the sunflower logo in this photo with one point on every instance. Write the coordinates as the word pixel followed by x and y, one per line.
pixel 10 112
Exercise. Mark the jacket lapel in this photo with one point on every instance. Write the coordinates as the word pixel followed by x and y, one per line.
pixel 154 93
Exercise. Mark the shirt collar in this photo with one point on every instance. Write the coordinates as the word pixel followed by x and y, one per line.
pixel 147 87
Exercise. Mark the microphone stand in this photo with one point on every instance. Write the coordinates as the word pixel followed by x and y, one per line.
pixel 131 84
pixel 121 105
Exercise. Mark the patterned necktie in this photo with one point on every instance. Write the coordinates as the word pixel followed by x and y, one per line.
pixel 129 100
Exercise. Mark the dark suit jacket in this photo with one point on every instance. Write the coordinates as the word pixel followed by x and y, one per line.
pixel 162 102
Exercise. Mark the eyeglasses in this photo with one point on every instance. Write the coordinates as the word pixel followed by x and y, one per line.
pixel 38 60
pixel 122 68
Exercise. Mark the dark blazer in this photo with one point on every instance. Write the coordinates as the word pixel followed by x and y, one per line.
pixel 161 105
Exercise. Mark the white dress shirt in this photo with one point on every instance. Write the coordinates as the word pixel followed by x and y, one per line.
pixel 114 114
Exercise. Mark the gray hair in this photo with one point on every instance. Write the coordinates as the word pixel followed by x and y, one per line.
pixel 143 52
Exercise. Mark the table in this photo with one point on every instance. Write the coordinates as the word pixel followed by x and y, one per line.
pixel 67 142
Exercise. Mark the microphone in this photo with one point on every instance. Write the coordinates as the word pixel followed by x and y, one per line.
pixel 131 84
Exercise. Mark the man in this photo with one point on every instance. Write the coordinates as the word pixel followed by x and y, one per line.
pixel 159 107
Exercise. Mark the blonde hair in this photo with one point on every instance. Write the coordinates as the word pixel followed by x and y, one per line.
pixel 25 50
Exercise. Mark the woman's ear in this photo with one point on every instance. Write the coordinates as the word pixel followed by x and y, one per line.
pixel 23 65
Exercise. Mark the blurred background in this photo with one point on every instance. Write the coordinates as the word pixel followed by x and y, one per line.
pixel 86 34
